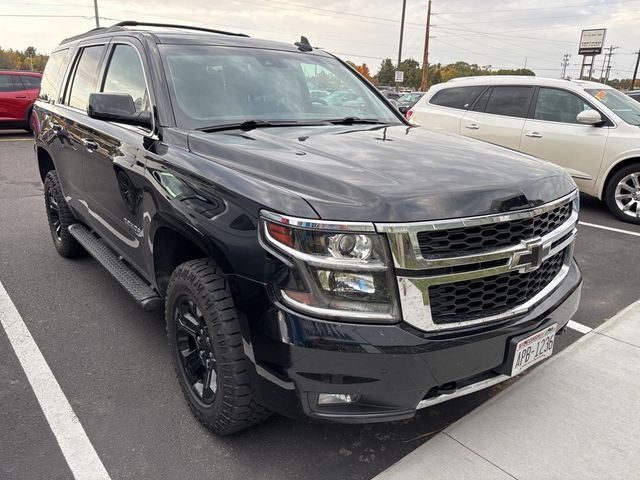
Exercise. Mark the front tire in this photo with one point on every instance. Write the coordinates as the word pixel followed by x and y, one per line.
pixel 207 349
pixel 60 218
pixel 623 194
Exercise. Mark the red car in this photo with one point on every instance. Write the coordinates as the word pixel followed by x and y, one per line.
pixel 18 91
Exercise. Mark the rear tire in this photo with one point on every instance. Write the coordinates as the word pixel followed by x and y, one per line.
pixel 622 194
pixel 60 218
pixel 207 349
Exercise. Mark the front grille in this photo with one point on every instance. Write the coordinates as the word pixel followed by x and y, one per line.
pixel 457 241
pixel 484 297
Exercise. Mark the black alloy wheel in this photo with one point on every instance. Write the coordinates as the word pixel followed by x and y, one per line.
pixel 196 350
pixel 53 211
pixel 207 347
pixel 60 218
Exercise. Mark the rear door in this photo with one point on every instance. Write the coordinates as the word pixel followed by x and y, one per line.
pixel 554 134
pixel 114 161
pixel 69 124
pixel 499 114
pixel 12 98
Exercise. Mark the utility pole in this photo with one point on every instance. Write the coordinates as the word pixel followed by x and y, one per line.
pixel 635 72
pixel 565 63
pixel 608 61
pixel 31 61
pixel 95 6
pixel 404 9
pixel 424 84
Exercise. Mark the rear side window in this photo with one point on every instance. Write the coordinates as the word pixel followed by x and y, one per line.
pixel 7 85
pixel 30 82
pixel 125 75
pixel 456 97
pixel 53 73
pixel 509 101
pixel 85 78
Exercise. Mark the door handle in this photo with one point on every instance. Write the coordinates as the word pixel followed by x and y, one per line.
pixel 89 144
pixel 472 126
pixel 533 135
pixel 21 96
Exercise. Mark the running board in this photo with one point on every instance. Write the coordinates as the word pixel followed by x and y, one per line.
pixel 132 283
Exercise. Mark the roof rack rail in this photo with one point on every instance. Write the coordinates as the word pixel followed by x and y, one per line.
pixel 133 23
pixel 93 31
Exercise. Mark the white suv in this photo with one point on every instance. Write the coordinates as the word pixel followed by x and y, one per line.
pixel 588 128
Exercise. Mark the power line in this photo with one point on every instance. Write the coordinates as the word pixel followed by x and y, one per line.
pixel 532 8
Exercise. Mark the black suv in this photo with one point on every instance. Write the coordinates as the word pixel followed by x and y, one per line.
pixel 315 260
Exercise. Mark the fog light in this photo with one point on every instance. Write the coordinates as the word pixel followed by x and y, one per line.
pixel 337 398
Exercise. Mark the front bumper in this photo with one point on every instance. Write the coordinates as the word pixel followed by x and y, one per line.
pixel 393 369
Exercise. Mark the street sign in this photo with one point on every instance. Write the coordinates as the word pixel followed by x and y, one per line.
pixel 592 41
pixel 399 76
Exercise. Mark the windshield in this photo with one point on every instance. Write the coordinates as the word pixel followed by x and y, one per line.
pixel 214 85
pixel 623 106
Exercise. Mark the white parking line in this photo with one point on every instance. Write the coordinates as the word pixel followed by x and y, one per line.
pixel 578 327
pixel 611 229
pixel 72 439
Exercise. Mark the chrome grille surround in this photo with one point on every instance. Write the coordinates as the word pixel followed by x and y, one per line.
pixel 416 273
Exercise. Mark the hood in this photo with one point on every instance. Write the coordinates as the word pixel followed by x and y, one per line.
pixel 387 173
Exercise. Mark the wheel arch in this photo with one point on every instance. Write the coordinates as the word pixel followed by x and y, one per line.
pixel 613 170
pixel 45 162
pixel 174 243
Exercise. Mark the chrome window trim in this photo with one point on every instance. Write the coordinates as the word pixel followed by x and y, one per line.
pixel 338 226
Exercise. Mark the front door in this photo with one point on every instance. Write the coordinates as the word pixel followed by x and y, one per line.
pixel 114 160
pixel 555 135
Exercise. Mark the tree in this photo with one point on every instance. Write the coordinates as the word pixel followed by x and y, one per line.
pixel 386 75
pixel 412 73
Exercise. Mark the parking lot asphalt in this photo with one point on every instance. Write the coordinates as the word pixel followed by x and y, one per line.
pixel 111 361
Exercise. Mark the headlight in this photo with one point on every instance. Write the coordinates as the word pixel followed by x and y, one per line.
pixel 344 268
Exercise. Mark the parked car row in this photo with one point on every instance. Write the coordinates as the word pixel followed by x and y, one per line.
pixel 18 92
pixel 590 129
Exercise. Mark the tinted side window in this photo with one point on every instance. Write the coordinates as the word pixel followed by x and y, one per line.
pixel 6 84
pixel 559 106
pixel 509 101
pixel 30 82
pixel 635 96
pixel 457 97
pixel 85 77
pixel 125 75
pixel 53 72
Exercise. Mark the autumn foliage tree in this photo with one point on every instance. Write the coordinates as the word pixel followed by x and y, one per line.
pixel 22 60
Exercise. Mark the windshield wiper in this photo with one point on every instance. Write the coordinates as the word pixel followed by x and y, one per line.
pixel 247 125
pixel 355 120
pixel 253 124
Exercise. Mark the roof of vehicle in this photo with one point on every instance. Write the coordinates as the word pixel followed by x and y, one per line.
pixel 523 80
pixel 18 72
pixel 185 35
pixel 633 91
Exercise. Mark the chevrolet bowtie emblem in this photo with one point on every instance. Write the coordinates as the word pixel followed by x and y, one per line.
pixel 533 253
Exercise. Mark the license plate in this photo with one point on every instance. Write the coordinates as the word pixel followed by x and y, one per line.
pixel 534 349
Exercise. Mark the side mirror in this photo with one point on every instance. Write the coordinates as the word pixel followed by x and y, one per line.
pixel 117 107
pixel 590 117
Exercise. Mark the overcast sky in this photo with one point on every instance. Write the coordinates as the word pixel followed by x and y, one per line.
pixel 503 34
